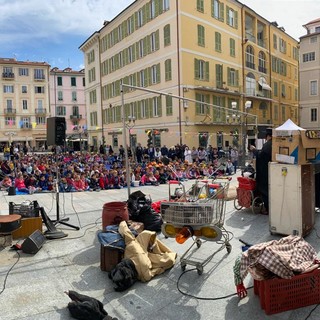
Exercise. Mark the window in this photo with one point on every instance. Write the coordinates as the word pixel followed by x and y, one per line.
pixel 262 62
pixel 130 25
pixel 250 84
pixel 92 74
pixel 250 57
pixel 73 81
pixel 261 34
pixel 9 104
pixel 140 18
pixel 168 72
pixel 153 42
pixel 219 75
pixel 93 118
pixel 74 95
pixel 232 18
pixel 152 9
pixel 130 54
pixel 39 74
pixel 60 95
pixel 282 45
pixel 233 76
pixel 313 39
pixel 154 74
pixel 8 72
pixel 40 120
pixel 201 69
pixel 59 81
pixel 141 48
pixel 313 114
pixel 200 6
pixel 141 78
pixel 26 123
pixel 143 109
pixel 40 104
pixel 169 109
pixel 217 10
pixel 75 110
pixel 201 36
pixel 93 97
pixel 23 72
pixel 90 56
pixel 24 104
pixel 275 89
pixel 166 33
pixel 232 47
pixel 313 88
pixel 10 121
pixel 283 90
pixel 165 5
pixel 217 42
pixel 61 111
pixel 8 89
pixel 275 42
pixel 24 89
pixel 155 107
pixel 201 107
pixel 310 56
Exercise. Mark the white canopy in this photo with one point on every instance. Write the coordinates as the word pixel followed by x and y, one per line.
pixel 288 128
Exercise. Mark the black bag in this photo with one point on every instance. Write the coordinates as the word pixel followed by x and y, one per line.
pixel 124 275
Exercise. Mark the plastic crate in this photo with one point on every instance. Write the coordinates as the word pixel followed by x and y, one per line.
pixel 279 295
pixel 246 183
pixel 26 209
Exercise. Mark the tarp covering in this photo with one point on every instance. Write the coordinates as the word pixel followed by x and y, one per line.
pixel 289 128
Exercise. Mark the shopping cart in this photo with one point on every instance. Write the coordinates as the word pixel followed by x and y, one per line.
pixel 247 196
pixel 201 220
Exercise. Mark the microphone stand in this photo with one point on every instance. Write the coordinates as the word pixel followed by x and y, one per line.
pixel 58 220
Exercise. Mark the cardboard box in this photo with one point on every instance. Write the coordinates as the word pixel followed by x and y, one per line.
pixel 28 226
pixel 301 147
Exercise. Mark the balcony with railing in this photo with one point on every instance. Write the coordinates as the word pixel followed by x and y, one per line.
pixel 250 65
pixel 262 69
pixel 26 126
pixel 75 116
pixel 41 111
pixel 8 75
pixel 10 111
pixel 40 77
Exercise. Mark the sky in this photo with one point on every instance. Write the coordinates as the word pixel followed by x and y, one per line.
pixel 53 30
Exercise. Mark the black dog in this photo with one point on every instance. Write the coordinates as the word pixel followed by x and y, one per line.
pixel 83 307
pixel 124 275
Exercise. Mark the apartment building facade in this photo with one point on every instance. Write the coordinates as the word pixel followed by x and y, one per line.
pixel 310 76
pixel 24 98
pixel 67 99
pixel 191 72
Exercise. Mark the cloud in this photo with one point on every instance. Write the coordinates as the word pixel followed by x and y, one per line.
pixel 28 20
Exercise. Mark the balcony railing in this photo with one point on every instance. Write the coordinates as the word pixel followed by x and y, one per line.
pixel 75 116
pixel 8 75
pixel 26 126
pixel 40 78
pixel 10 111
pixel 262 69
pixel 40 111
pixel 250 65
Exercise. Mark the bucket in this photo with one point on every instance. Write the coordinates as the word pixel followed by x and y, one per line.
pixel 113 213
pixel 136 183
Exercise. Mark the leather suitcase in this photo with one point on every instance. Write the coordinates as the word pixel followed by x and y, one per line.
pixel 109 258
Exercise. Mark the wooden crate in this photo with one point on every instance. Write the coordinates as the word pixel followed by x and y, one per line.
pixel 28 226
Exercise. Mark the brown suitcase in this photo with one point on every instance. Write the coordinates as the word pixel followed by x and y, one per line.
pixel 109 258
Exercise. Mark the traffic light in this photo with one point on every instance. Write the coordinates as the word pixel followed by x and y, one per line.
pixel 150 138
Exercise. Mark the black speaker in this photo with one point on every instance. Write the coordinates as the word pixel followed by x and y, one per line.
pixel 33 243
pixel 56 131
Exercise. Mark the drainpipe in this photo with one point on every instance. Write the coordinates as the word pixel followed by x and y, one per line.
pixel 179 76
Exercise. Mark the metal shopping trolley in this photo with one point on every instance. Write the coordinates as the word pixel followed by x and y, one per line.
pixel 201 220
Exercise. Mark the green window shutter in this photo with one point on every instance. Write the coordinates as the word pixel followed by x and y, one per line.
pixel 227 8
pixel 168 75
pixel 237 78
pixel 124 29
pixel 134 79
pixel 118 113
pixel 232 47
pixel 126 111
pixel 147 44
pixel 158 73
pixel 138 79
pixel 149 108
pixel 196 68
pixel 207 75
pixel 157 40
pixel 139 110
pixel 158 7
pixel 159 101
pixel 166 31
pixel 198 97
pixel 134 52
pixel 144 15
pixel 236 19
pixel 168 105
pixel 135 109
pixel 200 7
pixel 201 35
pixel 212 8
pixel 229 76
pixel 147 77
pixel 147 10
pixel 221 16
pixel 137 50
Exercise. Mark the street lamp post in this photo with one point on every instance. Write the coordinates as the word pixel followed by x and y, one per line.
pixel 247 106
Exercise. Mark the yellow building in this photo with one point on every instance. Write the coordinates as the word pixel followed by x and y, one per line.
pixel 197 73
pixel 24 97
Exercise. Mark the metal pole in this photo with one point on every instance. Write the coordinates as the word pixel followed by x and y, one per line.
pixel 124 134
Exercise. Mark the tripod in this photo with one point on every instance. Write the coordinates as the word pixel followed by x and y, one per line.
pixel 58 220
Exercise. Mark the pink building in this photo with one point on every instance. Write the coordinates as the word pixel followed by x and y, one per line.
pixel 67 99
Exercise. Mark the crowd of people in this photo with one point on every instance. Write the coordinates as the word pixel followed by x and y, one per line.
pixel 75 171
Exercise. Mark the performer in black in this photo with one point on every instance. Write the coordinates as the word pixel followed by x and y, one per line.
pixel 263 157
